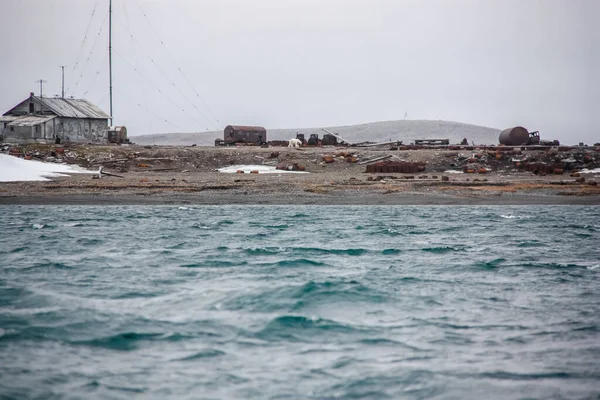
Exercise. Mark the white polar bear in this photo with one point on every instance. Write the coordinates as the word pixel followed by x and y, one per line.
pixel 295 143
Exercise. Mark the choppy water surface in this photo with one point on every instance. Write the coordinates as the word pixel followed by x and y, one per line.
pixel 299 302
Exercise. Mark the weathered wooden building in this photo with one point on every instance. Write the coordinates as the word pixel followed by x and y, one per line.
pixel 38 119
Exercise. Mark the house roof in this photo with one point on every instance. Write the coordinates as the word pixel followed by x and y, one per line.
pixel 26 120
pixel 73 108
pixel 8 118
pixel 68 108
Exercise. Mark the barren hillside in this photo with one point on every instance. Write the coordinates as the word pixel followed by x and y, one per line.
pixel 374 132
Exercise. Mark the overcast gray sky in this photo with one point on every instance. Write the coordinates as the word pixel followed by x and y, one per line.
pixel 308 63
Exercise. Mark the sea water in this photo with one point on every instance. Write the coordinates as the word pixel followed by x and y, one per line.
pixel 299 302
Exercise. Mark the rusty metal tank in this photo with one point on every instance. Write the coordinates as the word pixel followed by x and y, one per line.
pixel 516 136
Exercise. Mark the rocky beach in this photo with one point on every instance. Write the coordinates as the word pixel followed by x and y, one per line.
pixel 330 175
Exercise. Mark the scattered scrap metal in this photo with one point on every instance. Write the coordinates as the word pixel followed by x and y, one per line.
pixel 402 167
pixel 284 166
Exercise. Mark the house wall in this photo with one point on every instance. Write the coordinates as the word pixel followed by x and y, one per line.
pixel 82 130
pixel 68 129
pixel 16 133
pixel 23 134
pixel 23 108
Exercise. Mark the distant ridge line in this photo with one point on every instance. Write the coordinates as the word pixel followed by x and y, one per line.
pixel 372 131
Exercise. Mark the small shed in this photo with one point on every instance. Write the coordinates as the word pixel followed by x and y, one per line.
pixel 117 134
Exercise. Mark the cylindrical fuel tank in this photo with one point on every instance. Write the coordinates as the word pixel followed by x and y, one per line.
pixel 516 136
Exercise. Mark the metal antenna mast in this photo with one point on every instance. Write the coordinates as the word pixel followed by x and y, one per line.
pixel 110 59
pixel 63 80
pixel 41 82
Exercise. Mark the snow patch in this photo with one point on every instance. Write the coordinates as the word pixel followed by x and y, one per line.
pixel 13 169
pixel 262 169
pixel 590 171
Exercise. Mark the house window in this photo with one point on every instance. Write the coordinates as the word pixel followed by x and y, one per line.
pixel 38 128
pixel 12 128
pixel 5 125
pixel 31 108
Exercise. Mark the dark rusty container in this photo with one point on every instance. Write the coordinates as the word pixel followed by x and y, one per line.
pixel 516 136
pixel 245 134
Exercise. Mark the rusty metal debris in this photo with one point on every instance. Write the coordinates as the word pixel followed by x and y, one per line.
pixel 334 138
pixel 402 167
pixel 432 142
pixel 540 168
pixel 372 160
pixel 290 167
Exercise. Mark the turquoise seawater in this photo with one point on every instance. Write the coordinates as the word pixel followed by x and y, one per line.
pixel 299 302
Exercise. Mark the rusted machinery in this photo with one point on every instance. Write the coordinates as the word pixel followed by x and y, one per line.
pixel 519 136
pixel 550 142
pixel 247 135
pixel 329 140
pixel 314 140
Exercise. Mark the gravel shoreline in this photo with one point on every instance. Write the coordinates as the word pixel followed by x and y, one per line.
pixel 182 175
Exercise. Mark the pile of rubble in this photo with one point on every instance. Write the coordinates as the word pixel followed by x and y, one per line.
pixel 491 159
pixel 542 162
pixel 56 154
pixel 87 156
pixel 558 162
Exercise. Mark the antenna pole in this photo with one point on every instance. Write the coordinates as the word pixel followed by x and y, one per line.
pixel 41 82
pixel 110 60
pixel 63 80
